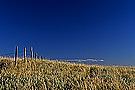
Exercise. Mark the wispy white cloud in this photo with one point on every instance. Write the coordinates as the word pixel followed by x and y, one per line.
pixel 86 60
pixel 95 60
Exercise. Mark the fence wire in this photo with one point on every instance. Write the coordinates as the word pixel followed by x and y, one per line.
pixel 72 60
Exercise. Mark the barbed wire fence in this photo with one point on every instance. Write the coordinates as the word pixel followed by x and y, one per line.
pixel 24 54
pixel 31 54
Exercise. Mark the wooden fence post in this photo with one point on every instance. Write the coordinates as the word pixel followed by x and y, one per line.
pixel 41 57
pixel 16 55
pixel 35 56
pixel 31 50
pixel 24 54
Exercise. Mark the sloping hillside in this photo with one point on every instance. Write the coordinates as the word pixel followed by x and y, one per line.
pixel 53 75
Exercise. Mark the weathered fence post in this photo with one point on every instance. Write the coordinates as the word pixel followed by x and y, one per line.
pixel 16 55
pixel 31 50
pixel 24 54
pixel 35 56
pixel 41 57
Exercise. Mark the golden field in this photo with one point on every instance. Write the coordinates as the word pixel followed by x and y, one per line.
pixel 55 75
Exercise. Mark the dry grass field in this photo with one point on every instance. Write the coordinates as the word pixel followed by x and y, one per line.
pixel 54 75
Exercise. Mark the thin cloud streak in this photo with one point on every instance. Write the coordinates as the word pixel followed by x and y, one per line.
pixel 85 60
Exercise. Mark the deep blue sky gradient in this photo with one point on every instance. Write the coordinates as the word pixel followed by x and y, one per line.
pixel 70 28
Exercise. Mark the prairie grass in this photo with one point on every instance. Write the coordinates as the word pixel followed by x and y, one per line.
pixel 55 75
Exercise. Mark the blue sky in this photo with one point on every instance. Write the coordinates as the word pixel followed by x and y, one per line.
pixel 70 28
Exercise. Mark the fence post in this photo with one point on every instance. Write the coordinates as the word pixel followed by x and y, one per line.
pixel 41 57
pixel 16 55
pixel 35 56
pixel 31 50
pixel 24 54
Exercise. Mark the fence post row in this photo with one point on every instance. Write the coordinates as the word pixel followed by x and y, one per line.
pixel 31 50
pixel 16 55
